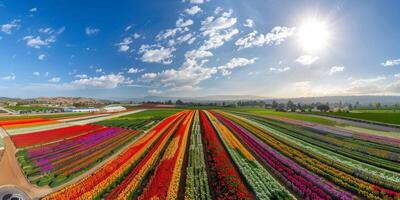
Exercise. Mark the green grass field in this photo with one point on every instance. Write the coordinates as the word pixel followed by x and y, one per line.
pixel 289 115
pixel 33 108
pixel 46 116
pixel 379 116
pixel 142 120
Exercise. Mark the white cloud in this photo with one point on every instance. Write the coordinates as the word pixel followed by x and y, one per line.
pixel 218 39
pixel 134 70
pixel 37 42
pixel 275 37
pixel 8 28
pixel 195 54
pixel 279 70
pixel 154 91
pixel 336 69
pixel 165 34
pixel 105 81
pixel 183 38
pixel 307 59
pixel 359 82
pixel 193 10
pixel 11 77
pixel 91 31
pixel 391 62
pixel 124 45
pixel 81 76
pixel 156 53
pixel 211 25
pixel 61 30
pixel 55 80
pixel 41 56
pixel 249 23
pixel 302 84
pixel 47 30
pixel 99 70
pixel 218 10
pixel 397 75
pixel 234 63
pixel 33 10
pixel 196 1
pixel 182 23
pixel 36 73
pixel 185 78
pixel 191 40
pixel 127 28
pixel 368 86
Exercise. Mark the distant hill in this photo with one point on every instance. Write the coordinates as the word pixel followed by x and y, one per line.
pixel 364 100
pixel 390 100
pixel 58 100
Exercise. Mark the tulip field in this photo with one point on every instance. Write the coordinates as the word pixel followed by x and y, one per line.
pixel 205 154
pixel 198 154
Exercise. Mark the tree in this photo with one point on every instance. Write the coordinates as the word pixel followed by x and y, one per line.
pixel 274 104
pixel 281 107
pixel 378 105
pixel 291 106
pixel 179 102
pixel 323 107
pixel 357 105
pixel 350 107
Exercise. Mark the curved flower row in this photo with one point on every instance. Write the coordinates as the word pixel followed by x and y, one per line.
pixel 166 178
pixel 101 180
pixel 225 179
pixel 131 183
pixel 338 177
pixel 373 174
pixel 258 177
pixel 300 180
pixel 196 175
pixel 42 137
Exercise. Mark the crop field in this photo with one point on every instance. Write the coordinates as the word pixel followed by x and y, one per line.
pixel 31 108
pixel 387 117
pixel 142 120
pixel 197 154
pixel 43 116
pixel 289 115
pixel 25 123
pixel 56 163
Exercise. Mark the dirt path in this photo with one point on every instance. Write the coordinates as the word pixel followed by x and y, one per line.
pixel 88 121
pixel 11 174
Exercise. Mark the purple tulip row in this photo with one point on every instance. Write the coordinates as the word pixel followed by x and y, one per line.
pixel 301 180
pixel 46 159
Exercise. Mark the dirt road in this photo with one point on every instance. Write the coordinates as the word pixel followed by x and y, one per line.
pixel 12 175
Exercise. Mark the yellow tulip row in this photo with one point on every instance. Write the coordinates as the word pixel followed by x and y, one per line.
pixel 338 177
pixel 230 139
pixel 135 182
pixel 91 186
pixel 176 176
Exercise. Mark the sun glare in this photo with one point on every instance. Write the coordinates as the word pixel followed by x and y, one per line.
pixel 313 35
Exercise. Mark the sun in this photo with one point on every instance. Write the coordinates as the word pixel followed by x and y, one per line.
pixel 313 35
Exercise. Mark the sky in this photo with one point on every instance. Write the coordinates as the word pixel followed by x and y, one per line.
pixel 189 48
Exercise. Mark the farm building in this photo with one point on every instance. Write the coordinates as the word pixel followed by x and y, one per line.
pixel 89 109
pixel 114 108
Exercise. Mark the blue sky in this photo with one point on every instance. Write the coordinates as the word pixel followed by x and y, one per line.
pixel 199 47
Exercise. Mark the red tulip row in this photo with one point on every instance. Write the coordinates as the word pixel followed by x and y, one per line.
pixel 105 178
pixel 226 182
pixel 42 137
